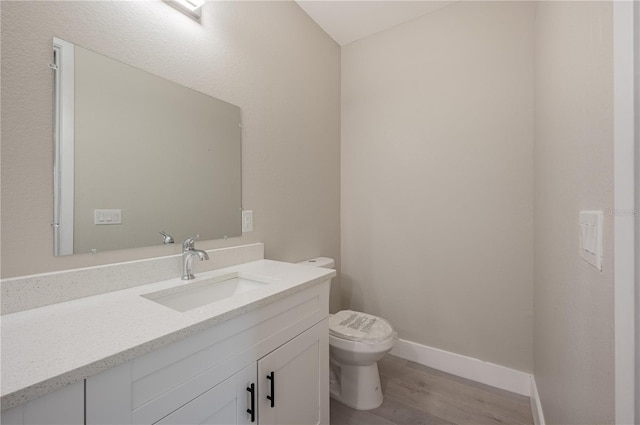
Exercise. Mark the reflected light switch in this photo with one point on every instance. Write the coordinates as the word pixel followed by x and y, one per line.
pixel 591 237
pixel 107 216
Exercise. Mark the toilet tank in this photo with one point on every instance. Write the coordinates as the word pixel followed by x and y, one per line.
pixel 323 262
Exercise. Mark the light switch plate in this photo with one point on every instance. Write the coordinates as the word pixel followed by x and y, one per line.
pixel 591 237
pixel 247 221
pixel 101 217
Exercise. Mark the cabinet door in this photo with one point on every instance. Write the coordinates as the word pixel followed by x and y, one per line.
pixel 294 380
pixel 224 404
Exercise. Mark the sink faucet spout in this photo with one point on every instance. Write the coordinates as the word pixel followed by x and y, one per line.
pixel 188 252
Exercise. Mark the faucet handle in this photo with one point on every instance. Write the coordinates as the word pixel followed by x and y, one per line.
pixel 189 243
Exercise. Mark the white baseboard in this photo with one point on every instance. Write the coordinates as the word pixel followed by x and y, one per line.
pixel 536 407
pixel 466 367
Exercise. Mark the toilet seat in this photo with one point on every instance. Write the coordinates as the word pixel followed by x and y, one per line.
pixel 360 327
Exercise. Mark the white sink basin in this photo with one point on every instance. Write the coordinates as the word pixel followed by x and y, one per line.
pixel 202 292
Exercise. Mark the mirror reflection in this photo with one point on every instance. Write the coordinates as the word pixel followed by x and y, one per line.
pixel 137 155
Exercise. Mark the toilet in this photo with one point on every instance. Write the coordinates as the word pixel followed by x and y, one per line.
pixel 356 342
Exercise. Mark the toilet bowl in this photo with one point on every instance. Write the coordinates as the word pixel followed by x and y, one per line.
pixel 357 341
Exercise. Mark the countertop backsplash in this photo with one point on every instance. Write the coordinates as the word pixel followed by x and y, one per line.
pixel 27 292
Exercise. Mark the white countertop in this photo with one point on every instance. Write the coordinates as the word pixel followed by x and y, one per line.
pixel 46 348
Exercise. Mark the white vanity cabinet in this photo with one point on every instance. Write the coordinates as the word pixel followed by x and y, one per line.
pixel 206 378
pixel 284 387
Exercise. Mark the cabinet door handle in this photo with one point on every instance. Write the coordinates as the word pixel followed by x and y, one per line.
pixel 252 411
pixel 272 397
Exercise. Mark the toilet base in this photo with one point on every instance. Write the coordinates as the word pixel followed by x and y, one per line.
pixel 357 386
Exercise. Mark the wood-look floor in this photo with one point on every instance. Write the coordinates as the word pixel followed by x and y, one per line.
pixel 416 394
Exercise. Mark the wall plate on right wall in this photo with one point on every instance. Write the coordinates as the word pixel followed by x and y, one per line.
pixel 591 237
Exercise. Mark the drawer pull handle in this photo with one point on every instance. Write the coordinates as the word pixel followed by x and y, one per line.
pixel 252 411
pixel 272 397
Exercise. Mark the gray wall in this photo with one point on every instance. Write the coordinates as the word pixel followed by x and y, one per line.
pixel 437 179
pixel 574 307
pixel 269 58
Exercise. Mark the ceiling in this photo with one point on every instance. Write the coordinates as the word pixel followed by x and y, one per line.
pixel 349 20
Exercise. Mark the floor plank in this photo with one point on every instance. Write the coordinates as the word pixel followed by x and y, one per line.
pixel 503 393
pixel 343 415
pixel 416 394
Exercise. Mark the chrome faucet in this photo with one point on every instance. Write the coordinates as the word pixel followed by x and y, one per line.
pixel 188 251
pixel 166 238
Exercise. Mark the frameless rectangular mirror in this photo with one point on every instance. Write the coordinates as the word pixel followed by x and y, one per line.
pixel 136 154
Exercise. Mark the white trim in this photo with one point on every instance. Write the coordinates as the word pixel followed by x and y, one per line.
pixel 636 29
pixel 466 367
pixel 536 406
pixel 624 206
pixel 64 124
pixel 192 9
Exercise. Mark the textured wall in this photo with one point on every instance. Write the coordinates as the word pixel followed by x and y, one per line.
pixel 574 309
pixel 437 179
pixel 268 58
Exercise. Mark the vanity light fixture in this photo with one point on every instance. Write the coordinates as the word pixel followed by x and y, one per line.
pixel 191 8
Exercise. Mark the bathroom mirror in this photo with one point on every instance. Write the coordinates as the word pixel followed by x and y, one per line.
pixel 136 154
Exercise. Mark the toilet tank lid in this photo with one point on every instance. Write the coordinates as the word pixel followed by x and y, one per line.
pixel 360 327
pixel 324 262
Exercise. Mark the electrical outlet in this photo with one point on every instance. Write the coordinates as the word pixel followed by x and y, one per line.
pixel 247 221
